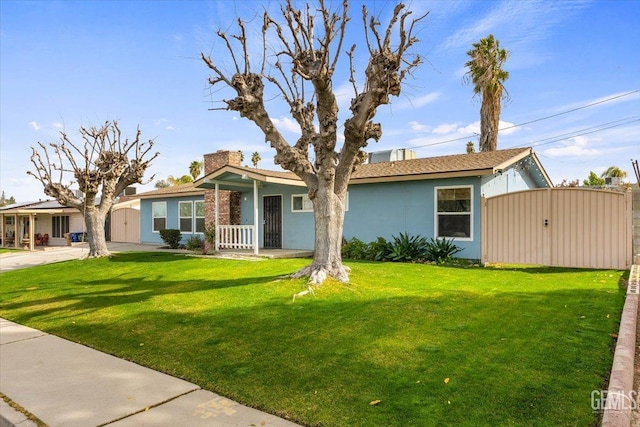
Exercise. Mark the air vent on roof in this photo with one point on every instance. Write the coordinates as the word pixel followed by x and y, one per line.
pixel 392 155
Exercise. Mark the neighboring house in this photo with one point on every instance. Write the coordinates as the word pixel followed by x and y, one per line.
pixel 432 197
pixel 24 225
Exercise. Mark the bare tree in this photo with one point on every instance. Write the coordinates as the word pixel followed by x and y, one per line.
pixel 303 73
pixel 100 167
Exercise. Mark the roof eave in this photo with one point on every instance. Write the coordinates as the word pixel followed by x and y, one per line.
pixel 422 176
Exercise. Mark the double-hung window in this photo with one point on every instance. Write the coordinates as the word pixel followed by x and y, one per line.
pixel 159 213
pixel 188 221
pixel 199 216
pixel 454 212
pixel 186 216
pixel 59 225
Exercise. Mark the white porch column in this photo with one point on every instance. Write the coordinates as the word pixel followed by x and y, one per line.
pixel 32 230
pixel 217 244
pixel 255 217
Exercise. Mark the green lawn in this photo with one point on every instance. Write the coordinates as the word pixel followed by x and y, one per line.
pixel 5 250
pixel 435 345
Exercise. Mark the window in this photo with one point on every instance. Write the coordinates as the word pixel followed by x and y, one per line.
pixel 199 217
pixel 189 222
pixel 454 212
pixel 59 225
pixel 186 216
pixel 8 220
pixel 159 213
pixel 302 203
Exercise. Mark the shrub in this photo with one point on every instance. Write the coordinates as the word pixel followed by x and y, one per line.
pixel 210 234
pixel 405 248
pixel 354 249
pixel 378 250
pixel 195 243
pixel 441 250
pixel 171 237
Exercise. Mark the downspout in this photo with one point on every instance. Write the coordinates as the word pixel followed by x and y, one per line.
pixel 255 217
pixel 217 244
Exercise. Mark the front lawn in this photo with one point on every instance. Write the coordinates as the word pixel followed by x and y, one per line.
pixel 434 345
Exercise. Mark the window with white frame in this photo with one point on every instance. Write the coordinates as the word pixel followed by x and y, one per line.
pixel 59 225
pixel 454 212
pixel 302 203
pixel 186 216
pixel 199 216
pixel 159 213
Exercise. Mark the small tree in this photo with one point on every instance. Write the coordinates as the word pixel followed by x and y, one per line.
pixel 195 168
pixel 4 201
pixel 614 172
pixel 302 70
pixel 101 168
pixel 593 180
pixel 255 158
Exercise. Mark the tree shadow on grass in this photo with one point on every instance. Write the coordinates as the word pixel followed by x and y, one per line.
pixel 511 358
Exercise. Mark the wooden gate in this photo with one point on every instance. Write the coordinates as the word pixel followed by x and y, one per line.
pixel 564 227
pixel 125 225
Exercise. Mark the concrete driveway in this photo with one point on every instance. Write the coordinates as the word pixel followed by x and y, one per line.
pixel 23 259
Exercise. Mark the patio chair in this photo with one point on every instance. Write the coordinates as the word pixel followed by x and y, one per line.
pixel 45 240
pixel 37 239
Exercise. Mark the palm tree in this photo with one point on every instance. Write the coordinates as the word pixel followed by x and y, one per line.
pixel 487 75
pixel 195 168
pixel 255 158
pixel 614 172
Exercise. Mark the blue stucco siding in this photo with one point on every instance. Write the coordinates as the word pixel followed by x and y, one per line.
pixel 388 209
pixel 298 230
pixel 147 235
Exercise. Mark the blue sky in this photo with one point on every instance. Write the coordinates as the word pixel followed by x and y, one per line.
pixel 69 63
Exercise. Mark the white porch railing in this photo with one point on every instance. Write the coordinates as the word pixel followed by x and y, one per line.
pixel 235 236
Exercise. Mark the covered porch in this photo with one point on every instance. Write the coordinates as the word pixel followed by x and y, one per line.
pixel 244 239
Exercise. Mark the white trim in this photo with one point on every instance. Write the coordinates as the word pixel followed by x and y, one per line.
pixel 436 213
pixel 191 217
pixel 306 195
pixel 166 213
pixel 305 201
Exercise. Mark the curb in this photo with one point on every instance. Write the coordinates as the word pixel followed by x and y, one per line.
pixel 10 417
pixel 621 397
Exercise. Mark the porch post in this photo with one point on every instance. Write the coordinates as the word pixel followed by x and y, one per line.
pixel 217 244
pixel 255 217
pixel 32 229
pixel 16 241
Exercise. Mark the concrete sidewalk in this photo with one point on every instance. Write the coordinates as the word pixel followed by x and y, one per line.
pixel 67 384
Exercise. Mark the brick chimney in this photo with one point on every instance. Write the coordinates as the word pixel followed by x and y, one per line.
pixel 229 206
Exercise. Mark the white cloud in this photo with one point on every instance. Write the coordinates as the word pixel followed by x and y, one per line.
pixel 578 146
pixel 58 125
pixel 170 128
pixel 445 128
pixel 417 126
pixel 34 125
pixel 287 124
pixel 414 103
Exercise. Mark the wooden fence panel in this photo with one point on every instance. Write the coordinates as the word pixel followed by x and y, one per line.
pixel 567 227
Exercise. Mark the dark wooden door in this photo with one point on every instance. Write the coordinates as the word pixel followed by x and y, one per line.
pixel 272 222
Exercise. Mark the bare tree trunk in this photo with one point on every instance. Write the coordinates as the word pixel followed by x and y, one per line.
pixel 489 122
pixel 329 219
pixel 94 221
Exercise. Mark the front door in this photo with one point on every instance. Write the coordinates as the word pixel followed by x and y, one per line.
pixel 272 222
